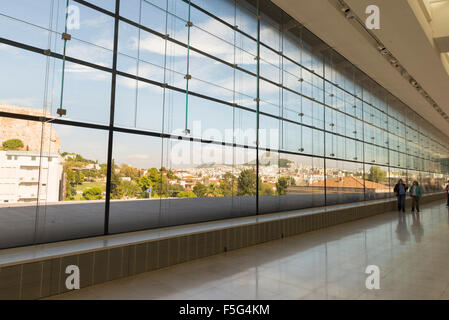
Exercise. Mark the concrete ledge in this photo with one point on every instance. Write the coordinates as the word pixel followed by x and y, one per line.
pixel 45 275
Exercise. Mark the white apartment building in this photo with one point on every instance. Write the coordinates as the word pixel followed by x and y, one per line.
pixel 19 176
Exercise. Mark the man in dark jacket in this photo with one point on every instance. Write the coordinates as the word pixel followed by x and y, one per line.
pixel 400 190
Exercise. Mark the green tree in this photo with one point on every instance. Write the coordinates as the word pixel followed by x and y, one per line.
pixel 115 183
pixel 175 189
pixel 70 190
pixel 129 189
pixel 186 194
pixel 213 191
pixel 265 189
pixel 376 174
pixel 144 183
pixel 200 190
pixel 94 193
pixel 12 144
pixel 228 183
pixel 283 183
pixel 246 183
pixel 128 171
pixel 79 178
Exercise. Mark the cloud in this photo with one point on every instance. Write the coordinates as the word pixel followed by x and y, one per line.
pixel 22 102
pixel 87 73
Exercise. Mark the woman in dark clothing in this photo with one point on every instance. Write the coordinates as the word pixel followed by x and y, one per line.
pixel 400 190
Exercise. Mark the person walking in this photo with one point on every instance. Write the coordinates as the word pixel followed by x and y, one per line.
pixel 447 194
pixel 400 190
pixel 416 194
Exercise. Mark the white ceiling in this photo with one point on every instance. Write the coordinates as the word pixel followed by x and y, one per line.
pixel 402 35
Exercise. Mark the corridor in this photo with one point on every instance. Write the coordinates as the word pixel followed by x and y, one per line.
pixel 410 251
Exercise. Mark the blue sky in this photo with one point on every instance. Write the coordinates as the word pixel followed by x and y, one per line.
pixel 87 91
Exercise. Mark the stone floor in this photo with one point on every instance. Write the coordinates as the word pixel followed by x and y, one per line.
pixel 411 251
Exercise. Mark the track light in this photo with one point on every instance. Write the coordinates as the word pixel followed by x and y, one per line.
pixel 345 9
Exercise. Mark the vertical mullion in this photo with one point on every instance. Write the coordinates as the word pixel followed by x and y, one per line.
pixel 258 107
pixel 111 120
pixel 324 121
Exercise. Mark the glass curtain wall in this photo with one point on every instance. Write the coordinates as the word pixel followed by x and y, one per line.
pixel 119 116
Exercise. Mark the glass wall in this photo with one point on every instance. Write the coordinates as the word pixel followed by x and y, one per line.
pixel 118 116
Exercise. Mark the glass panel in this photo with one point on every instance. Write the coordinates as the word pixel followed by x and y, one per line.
pixel 377 182
pixel 344 182
pixel 72 183
pixel 210 176
pixel 20 155
pixel 138 183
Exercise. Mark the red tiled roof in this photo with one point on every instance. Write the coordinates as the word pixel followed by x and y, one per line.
pixel 349 182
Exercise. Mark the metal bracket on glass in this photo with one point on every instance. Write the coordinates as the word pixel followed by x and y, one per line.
pixel 355 158
pixel 166 36
pixel 61 112
pixel 331 95
pixel 331 124
pixel 332 155
pixel 354 106
pixel 301 80
pixel 188 77
pixel 47 52
pixel 189 24
pixel 164 85
pixel 66 36
pixel 186 131
pixel 256 58
pixel 301 114
pixel 256 99
pixel 301 150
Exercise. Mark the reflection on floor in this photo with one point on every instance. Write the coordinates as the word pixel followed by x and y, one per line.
pixel 409 249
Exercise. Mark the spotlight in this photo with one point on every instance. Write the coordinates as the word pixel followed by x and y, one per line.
pixel 380 47
pixel 414 83
pixel 345 9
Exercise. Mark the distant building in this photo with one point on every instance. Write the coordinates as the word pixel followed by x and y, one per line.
pixel 347 184
pixel 28 174
pixel 19 177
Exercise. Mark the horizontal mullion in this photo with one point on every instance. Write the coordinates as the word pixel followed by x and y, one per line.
pixel 102 68
pixel 95 7
pixel 235 28
pixel 45 119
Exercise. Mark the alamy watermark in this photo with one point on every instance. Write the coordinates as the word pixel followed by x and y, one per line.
pixel 373 280
pixel 373 19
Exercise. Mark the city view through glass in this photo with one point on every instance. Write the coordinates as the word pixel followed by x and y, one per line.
pixel 142 114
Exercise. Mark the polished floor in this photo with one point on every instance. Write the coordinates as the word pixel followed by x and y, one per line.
pixel 411 251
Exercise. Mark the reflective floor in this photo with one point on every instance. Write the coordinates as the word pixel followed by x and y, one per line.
pixel 410 250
